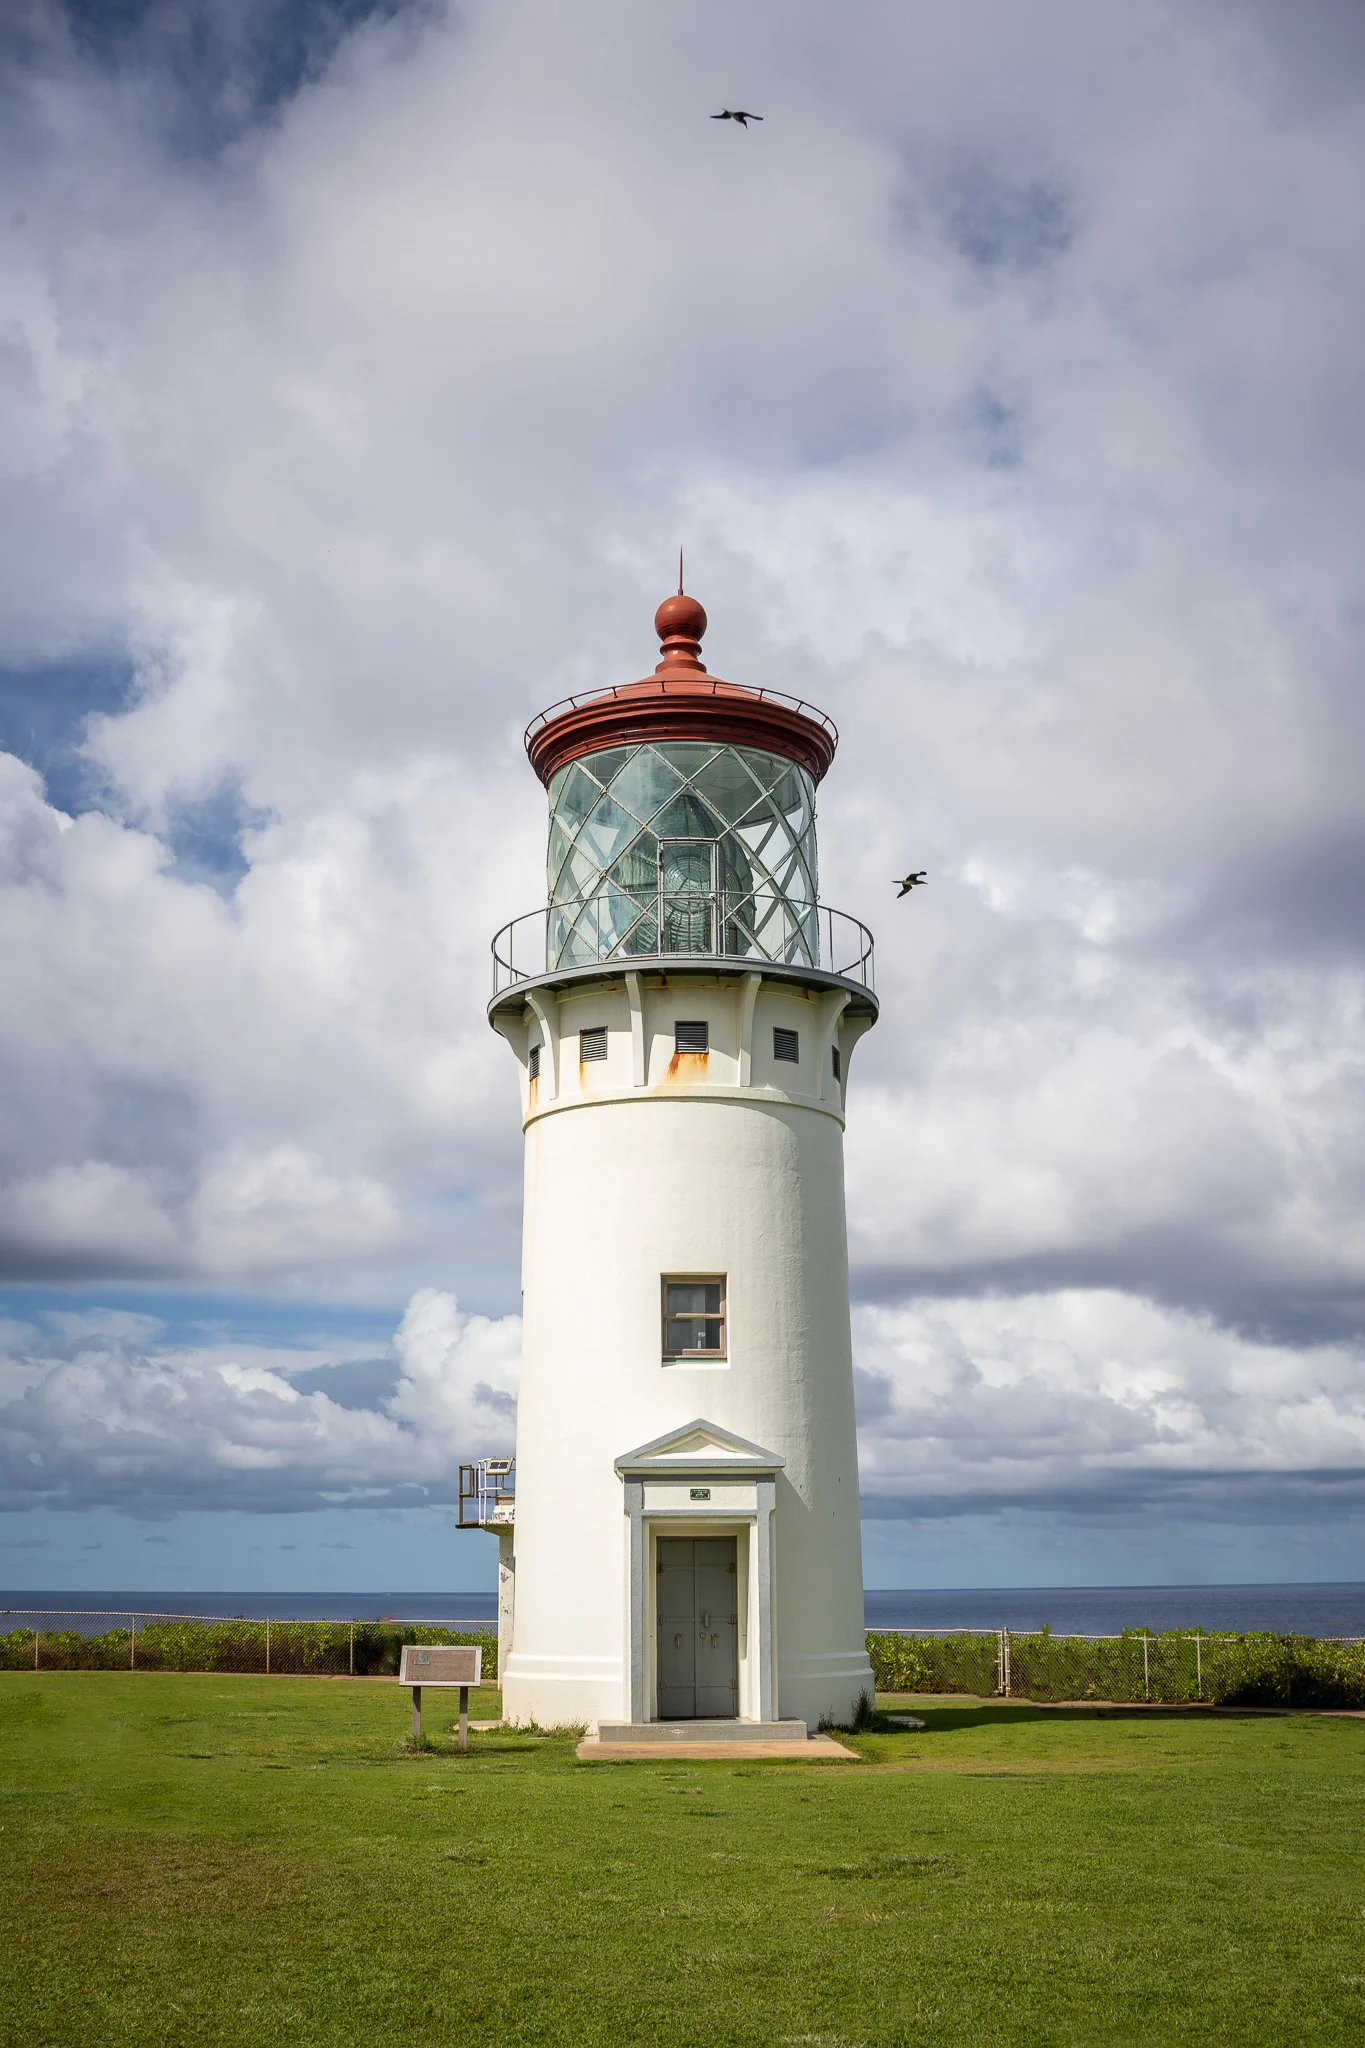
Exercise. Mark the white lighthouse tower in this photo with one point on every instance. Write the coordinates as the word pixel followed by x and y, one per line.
pixel 685 1540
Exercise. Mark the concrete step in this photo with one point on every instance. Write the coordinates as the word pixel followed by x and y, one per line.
pixel 636 1732
pixel 812 1749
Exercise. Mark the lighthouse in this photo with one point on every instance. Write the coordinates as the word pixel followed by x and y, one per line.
pixel 684 1543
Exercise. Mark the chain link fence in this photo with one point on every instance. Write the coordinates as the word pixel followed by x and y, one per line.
pixel 1179 1668
pixel 112 1641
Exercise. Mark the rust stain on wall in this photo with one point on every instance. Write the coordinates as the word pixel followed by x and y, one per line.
pixel 685 1066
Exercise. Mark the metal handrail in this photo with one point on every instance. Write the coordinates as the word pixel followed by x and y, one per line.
pixel 489 1489
pixel 632 692
pixel 839 943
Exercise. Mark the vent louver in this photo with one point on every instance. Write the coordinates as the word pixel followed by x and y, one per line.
pixel 592 1045
pixel 691 1037
pixel 786 1045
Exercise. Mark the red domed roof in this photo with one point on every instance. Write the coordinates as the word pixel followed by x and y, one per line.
pixel 680 701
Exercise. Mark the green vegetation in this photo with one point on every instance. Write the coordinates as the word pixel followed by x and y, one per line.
pixel 1177 1668
pixel 243 1861
pixel 934 1664
pixel 361 1649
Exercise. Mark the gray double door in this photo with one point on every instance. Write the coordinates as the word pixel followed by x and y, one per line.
pixel 698 1626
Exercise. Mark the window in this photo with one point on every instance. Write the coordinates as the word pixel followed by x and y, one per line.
pixel 786 1045
pixel 533 1063
pixel 838 1063
pixel 691 1038
pixel 694 1318
pixel 592 1045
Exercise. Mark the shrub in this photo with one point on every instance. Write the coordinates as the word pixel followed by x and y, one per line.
pixel 182 1643
pixel 1176 1667
pixel 961 1663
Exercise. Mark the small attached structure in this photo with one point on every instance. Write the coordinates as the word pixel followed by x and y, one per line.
pixel 488 1500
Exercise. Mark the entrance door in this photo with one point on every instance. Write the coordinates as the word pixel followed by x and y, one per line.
pixel 698 1620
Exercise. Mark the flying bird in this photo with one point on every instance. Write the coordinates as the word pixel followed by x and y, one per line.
pixel 735 114
pixel 909 882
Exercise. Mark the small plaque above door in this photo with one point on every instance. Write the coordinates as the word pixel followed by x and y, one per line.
pixel 721 1497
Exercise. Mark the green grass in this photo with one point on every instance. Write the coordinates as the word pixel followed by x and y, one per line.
pixel 239 1860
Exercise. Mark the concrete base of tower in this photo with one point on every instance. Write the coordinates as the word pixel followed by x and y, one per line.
pixel 562 1692
pixel 825 1689
pixel 587 1692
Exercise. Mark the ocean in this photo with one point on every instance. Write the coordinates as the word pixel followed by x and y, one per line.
pixel 1311 1610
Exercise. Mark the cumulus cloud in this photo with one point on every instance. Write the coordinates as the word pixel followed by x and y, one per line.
pixel 1005 390
pixel 234 1087
pixel 1086 1401
pixel 98 1408
pixel 1100 1402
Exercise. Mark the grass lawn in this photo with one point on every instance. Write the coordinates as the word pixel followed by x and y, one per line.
pixel 255 1860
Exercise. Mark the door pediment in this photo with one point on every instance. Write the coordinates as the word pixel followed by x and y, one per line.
pixel 699 1446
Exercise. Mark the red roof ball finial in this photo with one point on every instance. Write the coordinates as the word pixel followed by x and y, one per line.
pixel 680 701
pixel 680 623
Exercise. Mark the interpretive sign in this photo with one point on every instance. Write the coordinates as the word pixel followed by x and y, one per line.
pixel 441 1664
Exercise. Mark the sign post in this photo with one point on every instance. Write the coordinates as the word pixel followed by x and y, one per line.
pixel 446 1666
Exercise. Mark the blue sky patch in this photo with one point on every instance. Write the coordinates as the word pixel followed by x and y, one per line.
pixel 44 709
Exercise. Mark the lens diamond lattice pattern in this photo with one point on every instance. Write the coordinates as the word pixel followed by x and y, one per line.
pixel 682 848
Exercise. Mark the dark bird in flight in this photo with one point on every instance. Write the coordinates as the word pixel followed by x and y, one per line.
pixel 909 882
pixel 734 114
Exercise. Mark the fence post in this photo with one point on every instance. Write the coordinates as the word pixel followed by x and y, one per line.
pixel 267 1645
pixel 1005 1661
pixel 353 1649
pixel 1146 1687
pixel 132 1644
pixel 35 1642
pixel 1198 1672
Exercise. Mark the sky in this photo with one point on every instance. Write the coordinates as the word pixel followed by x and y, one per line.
pixel 362 368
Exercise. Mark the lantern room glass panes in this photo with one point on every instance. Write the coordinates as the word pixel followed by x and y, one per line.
pixel 682 847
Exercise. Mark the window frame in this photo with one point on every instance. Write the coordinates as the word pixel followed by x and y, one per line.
pixel 668 1280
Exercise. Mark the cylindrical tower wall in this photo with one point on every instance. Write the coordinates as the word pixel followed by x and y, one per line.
pixel 706 1166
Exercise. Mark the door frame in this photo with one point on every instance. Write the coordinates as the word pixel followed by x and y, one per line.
pixel 701 1480
pixel 757 1696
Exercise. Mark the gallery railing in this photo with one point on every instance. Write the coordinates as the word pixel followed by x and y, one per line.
pixel 620 928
